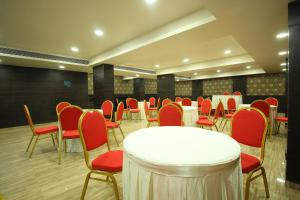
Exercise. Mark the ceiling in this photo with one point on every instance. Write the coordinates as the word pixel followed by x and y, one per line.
pixel 140 35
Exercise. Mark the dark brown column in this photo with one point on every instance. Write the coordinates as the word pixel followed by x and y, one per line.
pixel 166 86
pixel 197 89
pixel 139 89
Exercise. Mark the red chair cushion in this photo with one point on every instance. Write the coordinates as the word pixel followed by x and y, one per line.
pixel 46 129
pixel 249 162
pixel 282 119
pixel 153 108
pixel 134 110
pixel 203 117
pixel 111 124
pixel 152 119
pixel 205 122
pixel 110 161
pixel 70 134
pixel 228 115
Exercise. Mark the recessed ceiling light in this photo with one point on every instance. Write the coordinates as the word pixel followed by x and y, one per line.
pixel 227 51
pixel 195 73
pixel 280 180
pixel 218 70
pixel 284 69
pixel 282 53
pixel 99 32
pixel 157 65
pixel 150 1
pixel 282 35
pixel 137 75
pixel 177 80
pixel 74 49
pixel 186 60
pixel 61 67
pixel 248 67
pixel 283 64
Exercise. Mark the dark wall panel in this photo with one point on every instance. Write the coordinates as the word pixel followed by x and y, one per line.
pixel 139 89
pixel 197 89
pixel 239 83
pixel 41 90
pixel 166 86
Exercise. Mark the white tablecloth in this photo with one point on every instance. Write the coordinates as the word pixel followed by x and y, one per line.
pixel 142 110
pixel 194 103
pixel 175 163
pixel 190 115
pixel 273 114
pixel 224 98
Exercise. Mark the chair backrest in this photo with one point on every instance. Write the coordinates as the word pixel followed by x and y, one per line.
pixel 237 93
pixel 133 103
pixel 152 101
pixel 178 99
pixel 219 112
pixel 231 104
pixel 166 101
pixel 146 108
pixel 29 119
pixel 107 108
pixel 272 101
pixel 249 127
pixel 262 106
pixel 178 105
pixel 187 102
pixel 119 112
pixel 93 132
pixel 61 106
pixel 69 117
pixel 199 101
pixel 169 115
pixel 206 107
pixel 226 93
pixel 127 102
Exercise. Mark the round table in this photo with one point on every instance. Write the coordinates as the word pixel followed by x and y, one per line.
pixel 164 163
pixel 190 115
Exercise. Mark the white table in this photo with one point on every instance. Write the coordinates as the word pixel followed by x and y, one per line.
pixel 224 98
pixel 190 115
pixel 175 163
pixel 142 110
pixel 273 114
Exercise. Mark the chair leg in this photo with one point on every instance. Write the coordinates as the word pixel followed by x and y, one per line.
pixel 114 134
pixel 36 139
pixel 220 125
pixel 59 151
pixel 247 187
pixel 265 181
pixel 65 146
pixel 278 126
pixel 121 131
pixel 53 139
pixel 216 127
pixel 85 185
pixel 30 142
pixel 115 186
pixel 226 120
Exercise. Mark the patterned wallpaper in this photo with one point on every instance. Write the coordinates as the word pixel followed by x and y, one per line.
pixel 150 86
pixel 266 84
pixel 90 84
pixel 183 88
pixel 217 86
pixel 123 87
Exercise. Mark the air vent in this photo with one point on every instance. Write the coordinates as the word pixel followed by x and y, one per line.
pixel 29 54
pixel 134 70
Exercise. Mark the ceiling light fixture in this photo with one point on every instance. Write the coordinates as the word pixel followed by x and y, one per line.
pixel 157 65
pixel 283 64
pixel 195 74
pixel 282 35
pixel 74 49
pixel 150 2
pixel 282 53
pixel 61 67
pixel 218 70
pixel 284 69
pixel 99 32
pixel 227 51
pixel 137 75
pixel 248 67
pixel 186 60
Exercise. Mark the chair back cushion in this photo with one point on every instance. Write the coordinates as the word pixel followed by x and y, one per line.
pixel 237 93
pixel 120 110
pixel 249 127
pixel 219 112
pixel 272 101
pixel 92 130
pixel 166 101
pixel 231 105
pixel 69 117
pixel 262 106
pixel 152 101
pixel 107 108
pixel 206 107
pixel 133 103
pixel 127 102
pixel 170 115
pixel 226 93
pixel 178 99
pixel 187 102
pixel 199 101
pixel 61 106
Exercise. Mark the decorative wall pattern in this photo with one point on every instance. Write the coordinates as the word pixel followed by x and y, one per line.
pixel 217 86
pixel 123 86
pixel 90 84
pixel 266 84
pixel 150 86
pixel 183 88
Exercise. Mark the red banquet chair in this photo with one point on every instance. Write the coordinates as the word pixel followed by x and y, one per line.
pixel 152 107
pixel 93 134
pixel 186 102
pixel 237 93
pixel 219 112
pixel 37 132
pixel 249 127
pixel 61 106
pixel 231 108
pixel 226 93
pixel 272 101
pixel 178 99
pixel 117 123
pixel 68 121
pixel 170 115
pixel 199 101
pixel 205 109
pixel 107 108
pixel 133 107
pixel 280 120
pixel 166 101
pixel 147 113
pixel 126 110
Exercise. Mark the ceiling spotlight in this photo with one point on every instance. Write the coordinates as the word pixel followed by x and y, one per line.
pixel 248 67
pixel 177 80
pixel 218 70
pixel 99 32
pixel 283 64
pixel 228 51
pixel 157 66
pixel 284 69
pixel 74 49
pixel 282 35
pixel 186 60
pixel 282 53
pixel 61 67
pixel 195 74
pixel 150 1
pixel 137 75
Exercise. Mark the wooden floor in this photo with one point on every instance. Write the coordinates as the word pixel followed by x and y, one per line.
pixel 42 178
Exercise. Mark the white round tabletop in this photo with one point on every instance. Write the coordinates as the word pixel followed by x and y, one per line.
pixel 189 108
pixel 181 146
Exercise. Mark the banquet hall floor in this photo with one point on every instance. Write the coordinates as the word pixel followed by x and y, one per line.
pixel 42 178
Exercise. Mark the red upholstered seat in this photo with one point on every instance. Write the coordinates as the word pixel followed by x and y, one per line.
pixel 110 161
pixel 153 108
pixel 282 119
pixel 152 119
pixel 111 124
pixel 45 130
pixel 71 134
pixel 205 122
pixel 203 117
pixel 249 162
pixel 135 110
pixel 228 115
